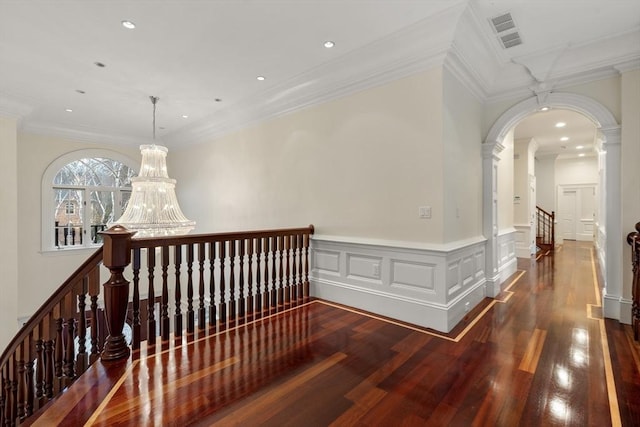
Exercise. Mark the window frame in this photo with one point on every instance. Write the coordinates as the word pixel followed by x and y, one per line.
pixel 48 204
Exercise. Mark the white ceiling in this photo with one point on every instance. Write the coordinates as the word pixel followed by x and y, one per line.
pixel 190 52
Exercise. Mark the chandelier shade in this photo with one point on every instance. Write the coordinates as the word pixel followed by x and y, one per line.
pixel 153 208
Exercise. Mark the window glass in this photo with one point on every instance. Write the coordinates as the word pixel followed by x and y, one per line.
pixel 88 193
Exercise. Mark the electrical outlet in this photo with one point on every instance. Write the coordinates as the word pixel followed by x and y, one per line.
pixel 467 306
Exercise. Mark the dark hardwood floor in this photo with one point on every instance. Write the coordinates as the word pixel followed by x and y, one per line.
pixel 537 355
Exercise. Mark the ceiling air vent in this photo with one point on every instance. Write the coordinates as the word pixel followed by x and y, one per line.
pixel 502 23
pixel 510 40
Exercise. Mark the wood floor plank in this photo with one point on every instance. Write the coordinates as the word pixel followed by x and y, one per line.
pixel 536 355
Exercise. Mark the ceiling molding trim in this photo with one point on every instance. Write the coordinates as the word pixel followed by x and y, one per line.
pixel 46 129
pixel 631 65
pixel 466 75
pixel 13 109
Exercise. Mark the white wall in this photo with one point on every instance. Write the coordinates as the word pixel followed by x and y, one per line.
pixel 521 170
pixel 8 230
pixel 462 130
pixel 359 166
pixel 41 273
pixel 505 184
pixel 546 183
pixel 581 170
pixel 630 165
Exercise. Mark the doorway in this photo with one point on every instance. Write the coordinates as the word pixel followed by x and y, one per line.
pixel 576 211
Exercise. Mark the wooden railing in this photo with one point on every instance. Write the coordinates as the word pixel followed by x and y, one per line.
pixel 546 229
pixel 181 287
pixel 633 239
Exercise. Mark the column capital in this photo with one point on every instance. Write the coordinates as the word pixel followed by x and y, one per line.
pixel 492 150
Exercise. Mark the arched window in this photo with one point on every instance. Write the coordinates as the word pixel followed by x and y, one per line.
pixel 82 192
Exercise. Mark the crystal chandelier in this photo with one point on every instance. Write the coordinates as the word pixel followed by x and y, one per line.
pixel 153 208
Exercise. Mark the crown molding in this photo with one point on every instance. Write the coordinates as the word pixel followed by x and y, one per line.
pixel 49 129
pixel 630 65
pixel 12 108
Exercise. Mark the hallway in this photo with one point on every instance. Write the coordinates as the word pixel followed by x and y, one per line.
pixel 533 356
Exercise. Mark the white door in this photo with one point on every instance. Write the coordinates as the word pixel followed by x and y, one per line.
pixel 567 212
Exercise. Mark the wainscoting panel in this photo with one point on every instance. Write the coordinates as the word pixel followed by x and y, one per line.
pixel 430 286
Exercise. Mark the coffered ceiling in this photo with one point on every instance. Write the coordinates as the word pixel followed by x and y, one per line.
pixel 202 58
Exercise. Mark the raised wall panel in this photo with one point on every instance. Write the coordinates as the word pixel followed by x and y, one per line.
pixel 413 276
pixel 467 270
pixel 326 261
pixel 364 267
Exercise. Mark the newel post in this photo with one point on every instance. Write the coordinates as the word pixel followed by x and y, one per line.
pixel 116 256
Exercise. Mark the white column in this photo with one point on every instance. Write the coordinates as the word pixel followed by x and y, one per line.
pixel 490 161
pixel 612 292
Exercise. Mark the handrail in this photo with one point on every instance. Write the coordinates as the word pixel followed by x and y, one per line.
pixel 227 278
pixel 545 233
pixel 92 262
pixel 633 239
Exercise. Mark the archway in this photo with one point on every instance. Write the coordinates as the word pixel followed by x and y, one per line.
pixel 611 254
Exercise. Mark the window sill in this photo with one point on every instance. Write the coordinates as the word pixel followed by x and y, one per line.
pixel 70 251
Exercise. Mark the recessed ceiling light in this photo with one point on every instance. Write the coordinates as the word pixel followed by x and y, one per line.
pixel 184 116
pixel 544 109
pixel 560 124
pixel 579 147
pixel 99 64
pixel 218 100
pixel 329 44
pixel 564 138
pixel 128 25
pixel 581 155
pixel 80 91
pixel 261 78
pixel 69 110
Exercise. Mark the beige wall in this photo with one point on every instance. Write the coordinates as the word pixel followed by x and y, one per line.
pixel 359 166
pixel 462 136
pixel 630 112
pixel 8 230
pixel 505 184
pixel 41 273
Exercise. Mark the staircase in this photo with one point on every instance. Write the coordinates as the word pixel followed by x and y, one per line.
pixel 545 231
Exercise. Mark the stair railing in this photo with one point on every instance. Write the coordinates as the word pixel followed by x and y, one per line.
pixel 633 239
pixel 183 287
pixel 546 232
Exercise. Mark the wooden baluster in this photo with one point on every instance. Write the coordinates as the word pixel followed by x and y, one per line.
pixel 58 352
pixel 274 274
pixel 212 284
pixel 21 383
pixel 300 285
pixel 201 309
pixel 116 257
pixel 266 301
pixel 8 392
pixel 287 272
pixel 223 298
pixel 151 297
pixel 241 283
pixel 232 281
pixel 258 305
pixel 69 352
pixel 249 299
pixel 40 366
pixel 82 322
pixel 306 265
pixel 136 329
pixel 49 368
pixel 177 255
pixel 94 327
pixel 29 386
pixel 165 322
pixel 280 272
pixel 294 271
pixel 190 312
